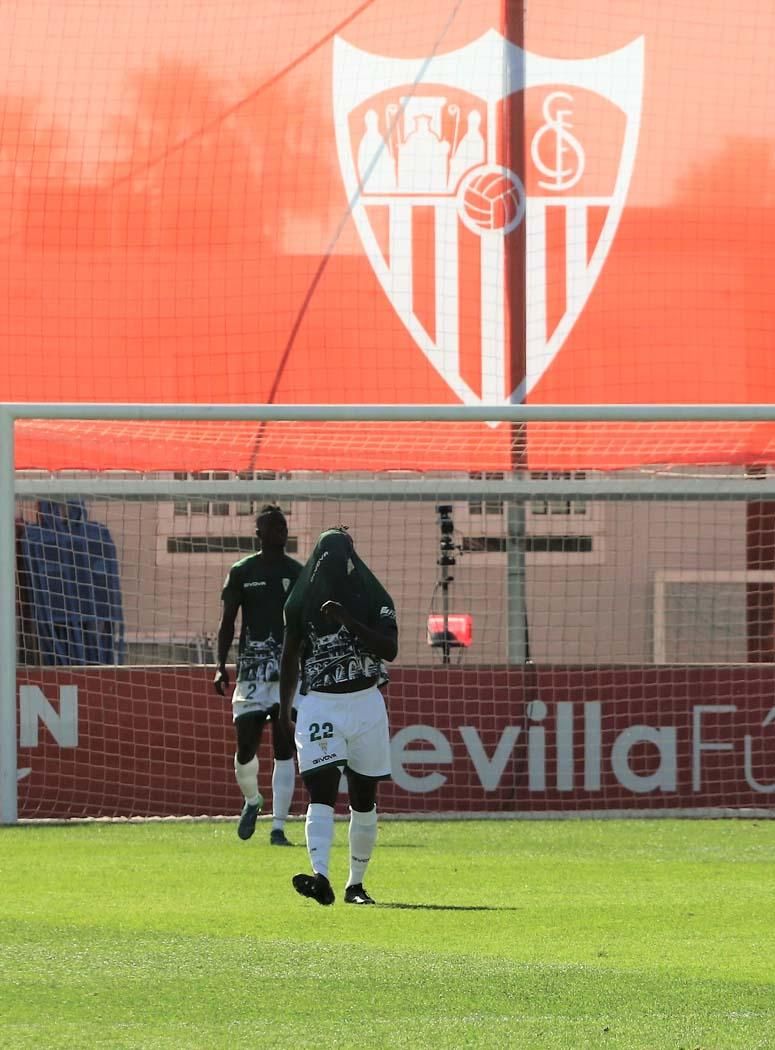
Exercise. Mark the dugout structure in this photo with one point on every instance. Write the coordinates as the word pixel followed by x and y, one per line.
pixel 622 658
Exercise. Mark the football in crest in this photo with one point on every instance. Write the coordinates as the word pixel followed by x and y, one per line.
pixel 492 198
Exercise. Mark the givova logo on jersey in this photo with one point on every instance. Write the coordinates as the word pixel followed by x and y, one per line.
pixel 455 162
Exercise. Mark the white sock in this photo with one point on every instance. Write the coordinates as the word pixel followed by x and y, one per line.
pixel 247 778
pixel 363 835
pixel 283 782
pixel 319 830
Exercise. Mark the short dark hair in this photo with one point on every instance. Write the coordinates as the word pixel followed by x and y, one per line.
pixel 269 510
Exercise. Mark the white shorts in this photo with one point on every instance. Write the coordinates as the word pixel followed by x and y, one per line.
pixel 254 696
pixel 343 729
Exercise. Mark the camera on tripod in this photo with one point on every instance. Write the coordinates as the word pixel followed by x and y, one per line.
pixel 446 543
pixel 447 630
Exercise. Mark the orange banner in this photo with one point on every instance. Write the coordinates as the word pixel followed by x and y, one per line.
pixel 386 202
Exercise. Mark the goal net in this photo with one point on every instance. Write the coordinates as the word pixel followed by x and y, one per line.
pixel 463 202
pixel 571 641
pixel 213 210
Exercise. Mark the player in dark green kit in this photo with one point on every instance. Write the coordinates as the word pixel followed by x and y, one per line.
pixel 258 586
pixel 340 625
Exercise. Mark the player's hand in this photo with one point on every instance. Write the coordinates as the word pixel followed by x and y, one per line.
pixel 221 681
pixel 336 611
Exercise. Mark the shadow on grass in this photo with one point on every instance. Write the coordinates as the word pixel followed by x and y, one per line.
pixel 402 845
pixel 445 907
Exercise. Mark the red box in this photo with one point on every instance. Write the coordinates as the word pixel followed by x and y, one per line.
pixel 460 629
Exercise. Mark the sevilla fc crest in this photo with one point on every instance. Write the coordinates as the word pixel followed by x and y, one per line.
pixel 458 164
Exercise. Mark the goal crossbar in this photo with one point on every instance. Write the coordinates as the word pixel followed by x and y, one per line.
pixel 590 413
pixel 598 487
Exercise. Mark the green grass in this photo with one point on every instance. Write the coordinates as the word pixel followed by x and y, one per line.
pixel 648 934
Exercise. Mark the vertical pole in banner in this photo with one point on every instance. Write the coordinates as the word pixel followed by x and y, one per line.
pixel 8 799
pixel 515 276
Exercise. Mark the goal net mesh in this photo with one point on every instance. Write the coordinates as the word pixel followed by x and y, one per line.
pixel 605 652
pixel 370 202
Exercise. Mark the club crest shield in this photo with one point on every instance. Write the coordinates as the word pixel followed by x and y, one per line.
pixel 441 205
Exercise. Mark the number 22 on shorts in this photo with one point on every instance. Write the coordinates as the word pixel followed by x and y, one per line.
pixel 321 731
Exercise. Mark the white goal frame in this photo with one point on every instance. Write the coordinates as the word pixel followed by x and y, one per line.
pixel 516 489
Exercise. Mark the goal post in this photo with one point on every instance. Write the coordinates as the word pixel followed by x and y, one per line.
pixel 562 699
pixel 8 735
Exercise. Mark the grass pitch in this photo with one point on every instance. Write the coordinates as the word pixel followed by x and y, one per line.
pixel 617 934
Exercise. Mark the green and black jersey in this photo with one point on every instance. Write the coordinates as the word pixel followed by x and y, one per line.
pixel 332 659
pixel 260 589
pixel 337 661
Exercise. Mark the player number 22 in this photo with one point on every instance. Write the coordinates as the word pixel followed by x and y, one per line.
pixel 320 732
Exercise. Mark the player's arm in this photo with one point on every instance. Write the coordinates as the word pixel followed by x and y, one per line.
pixel 289 677
pixel 381 640
pixel 229 609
